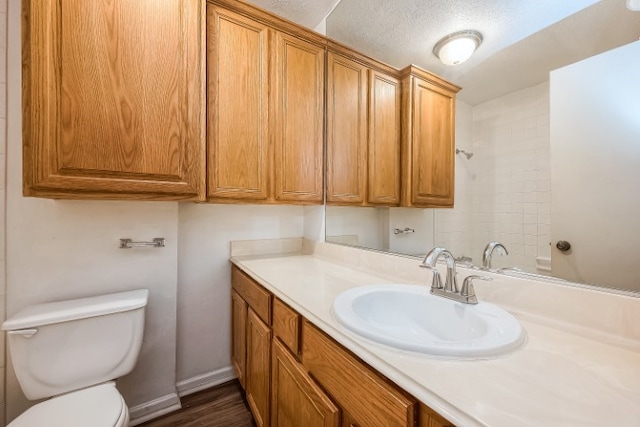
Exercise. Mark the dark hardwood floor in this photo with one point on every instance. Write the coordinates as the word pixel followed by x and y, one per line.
pixel 221 406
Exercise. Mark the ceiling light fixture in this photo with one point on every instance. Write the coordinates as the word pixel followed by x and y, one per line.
pixel 633 5
pixel 456 48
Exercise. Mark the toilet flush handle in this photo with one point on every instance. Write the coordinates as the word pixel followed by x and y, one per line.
pixel 27 333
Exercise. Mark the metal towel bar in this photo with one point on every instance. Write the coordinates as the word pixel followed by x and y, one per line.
pixel 157 242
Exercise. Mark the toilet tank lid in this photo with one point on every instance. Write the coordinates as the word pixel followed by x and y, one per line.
pixel 64 311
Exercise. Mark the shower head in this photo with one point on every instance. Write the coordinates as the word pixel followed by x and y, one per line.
pixel 467 154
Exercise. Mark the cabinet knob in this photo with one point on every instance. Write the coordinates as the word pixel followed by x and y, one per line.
pixel 563 245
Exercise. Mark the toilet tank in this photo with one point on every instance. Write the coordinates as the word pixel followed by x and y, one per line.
pixel 63 346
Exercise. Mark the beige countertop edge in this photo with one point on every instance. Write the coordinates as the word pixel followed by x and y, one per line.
pixel 461 413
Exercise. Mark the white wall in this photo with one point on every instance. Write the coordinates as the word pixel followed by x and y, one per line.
pixel 512 188
pixel 204 286
pixel 595 146
pixel 454 227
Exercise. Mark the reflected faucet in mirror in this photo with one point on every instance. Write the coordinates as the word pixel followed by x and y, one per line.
pixel 488 253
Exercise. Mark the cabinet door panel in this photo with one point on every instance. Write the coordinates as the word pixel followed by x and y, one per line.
pixel 346 130
pixel 297 400
pixel 356 387
pixel 258 369
pixel 112 99
pixel 384 139
pixel 433 146
pixel 298 120
pixel 238 91
pixel 239 336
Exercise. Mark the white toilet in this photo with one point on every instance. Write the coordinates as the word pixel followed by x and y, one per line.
pixel 73 350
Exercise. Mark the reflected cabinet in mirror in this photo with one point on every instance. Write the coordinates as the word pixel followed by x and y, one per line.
pixel 550 169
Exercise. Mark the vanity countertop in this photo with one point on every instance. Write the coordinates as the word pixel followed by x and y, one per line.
pixel 558 378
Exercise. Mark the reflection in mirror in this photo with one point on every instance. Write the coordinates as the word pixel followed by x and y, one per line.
pixel 510 189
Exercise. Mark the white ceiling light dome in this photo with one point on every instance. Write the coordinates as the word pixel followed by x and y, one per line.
pixel 456 48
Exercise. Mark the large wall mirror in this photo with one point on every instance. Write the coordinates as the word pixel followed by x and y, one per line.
pixel 550 128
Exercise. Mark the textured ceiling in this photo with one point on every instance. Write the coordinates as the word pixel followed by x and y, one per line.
pixel 523 39
pixel 309 13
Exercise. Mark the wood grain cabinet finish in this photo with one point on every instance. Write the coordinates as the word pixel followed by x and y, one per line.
pixel 258 369
pixel 429 418
pixel 363 134
pixel 238 96
pixel 298 120
pixel 265 96
pixel 383 183
pixel 239 336
pixel 112 99
pixel 347 88
pixel 428 139
pixel 358 389
pixel 296 399
pixel 286 326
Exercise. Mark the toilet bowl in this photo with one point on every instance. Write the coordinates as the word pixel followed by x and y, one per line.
pixel 70 352
pixel 98 406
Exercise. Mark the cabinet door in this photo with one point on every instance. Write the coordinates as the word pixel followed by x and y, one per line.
pixel 238 101
pixel 384 139
pixel 239 336
pixel 296 399
pixel 258 368
pixel 298 121
pixel 431 145
pixel 346 130
pixel 112 99
pixel 369 399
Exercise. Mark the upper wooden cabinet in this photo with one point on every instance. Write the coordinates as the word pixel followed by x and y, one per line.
pixel 383 184
pixel 428 141
pixel 112 99
pixel 238 101
pixel 363 133
pixel 265 111
pixel 347 89
pixel 298 119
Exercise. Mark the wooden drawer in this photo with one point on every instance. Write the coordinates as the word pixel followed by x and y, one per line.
pixel 255 295
pixel 429 418
pixel 286 325
pixel 358 389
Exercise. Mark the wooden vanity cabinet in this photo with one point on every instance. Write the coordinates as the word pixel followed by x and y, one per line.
pixel 265 115
pixel 365 395
pixel 428 142
pixel 239 312
pixel 251 342
pixel 363 130
pixel 258 380
pixel 296 399
pixel 112 99
pixel 296 375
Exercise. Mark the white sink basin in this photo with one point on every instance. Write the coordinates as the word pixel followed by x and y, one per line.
pixel 408 317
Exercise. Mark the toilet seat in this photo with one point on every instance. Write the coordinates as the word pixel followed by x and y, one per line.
pixel 97 406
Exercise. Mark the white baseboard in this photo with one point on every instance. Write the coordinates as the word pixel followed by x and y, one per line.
pixel 204 381
pixel 154 409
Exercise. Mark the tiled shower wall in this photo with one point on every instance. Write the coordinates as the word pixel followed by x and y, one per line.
pixel 3 145
pixel 512 183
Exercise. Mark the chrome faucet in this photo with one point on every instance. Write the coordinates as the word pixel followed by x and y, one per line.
pixel 488 253
pixel 450 290
pixel 430 260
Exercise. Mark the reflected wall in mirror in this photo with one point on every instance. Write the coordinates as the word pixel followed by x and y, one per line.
pixel 504 191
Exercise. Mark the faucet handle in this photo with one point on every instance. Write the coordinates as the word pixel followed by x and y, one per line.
pixel 468 292
pixel 436 282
